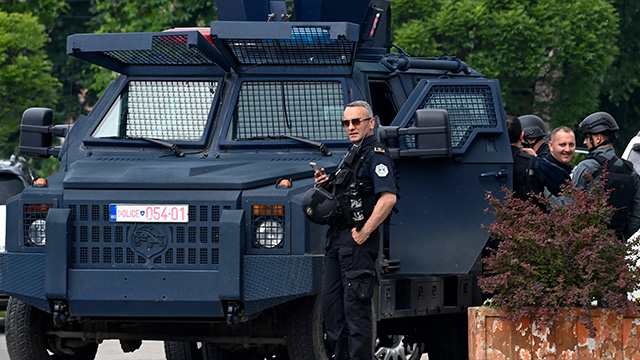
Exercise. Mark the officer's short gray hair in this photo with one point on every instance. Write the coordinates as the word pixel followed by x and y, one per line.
pixel 364 104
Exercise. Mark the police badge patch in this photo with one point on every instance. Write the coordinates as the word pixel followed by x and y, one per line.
pixel 382 170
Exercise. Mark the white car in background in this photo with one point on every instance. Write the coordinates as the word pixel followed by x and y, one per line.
pixel 15 175
pixel 632 153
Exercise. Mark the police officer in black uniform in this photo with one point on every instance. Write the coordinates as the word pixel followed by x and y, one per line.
pixel 365 187
pixel 534 132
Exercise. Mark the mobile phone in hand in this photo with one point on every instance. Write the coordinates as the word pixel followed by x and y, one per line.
pixel 314 166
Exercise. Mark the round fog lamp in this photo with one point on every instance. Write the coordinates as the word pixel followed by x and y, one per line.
pixel 37 232
pixel 269 234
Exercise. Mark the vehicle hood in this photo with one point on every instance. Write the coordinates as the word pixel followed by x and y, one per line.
pixel 218 174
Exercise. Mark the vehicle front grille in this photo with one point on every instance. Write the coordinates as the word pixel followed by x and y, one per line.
pixel 99 243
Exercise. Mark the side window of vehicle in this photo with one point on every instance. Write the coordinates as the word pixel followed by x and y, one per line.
pixel 470 107
pixel 166 110
pixel 299 108
pixel 383 101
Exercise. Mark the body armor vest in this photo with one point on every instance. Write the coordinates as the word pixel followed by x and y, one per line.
pixel 523 165
pixel 619 179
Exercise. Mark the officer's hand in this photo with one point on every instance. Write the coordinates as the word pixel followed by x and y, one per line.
pixel 358 236
pixel 321 176
pixel 529 151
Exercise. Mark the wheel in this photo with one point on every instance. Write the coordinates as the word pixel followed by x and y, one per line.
pixel 182 350
pixel 306 338
pixel 305 331
pixel 26 337
pixel 399 350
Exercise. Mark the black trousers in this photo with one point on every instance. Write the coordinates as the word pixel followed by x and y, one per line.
pixel 347 289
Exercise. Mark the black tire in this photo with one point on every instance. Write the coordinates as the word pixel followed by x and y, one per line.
pixel 182 350
pixel 305 331
pixel 26 337
pixel 306 338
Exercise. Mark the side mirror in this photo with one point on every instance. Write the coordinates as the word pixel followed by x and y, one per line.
pixel 431 131
pixel 36 133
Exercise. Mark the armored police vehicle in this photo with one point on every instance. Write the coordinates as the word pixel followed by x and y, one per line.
pixel 176 212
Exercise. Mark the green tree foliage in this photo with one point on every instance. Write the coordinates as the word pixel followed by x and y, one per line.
pixel 154 15
pixel 550 56
pixel 25 79
pixel 621 92
pixel 62 19
pixel 45 10
pixel 52 17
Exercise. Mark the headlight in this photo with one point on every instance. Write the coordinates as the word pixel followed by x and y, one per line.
pixel 267 223
pixel 269 234
pixel 38 232
pixel 34 224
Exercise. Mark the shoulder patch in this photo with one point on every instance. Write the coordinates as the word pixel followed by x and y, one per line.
pixel 382 170
pixel 378 149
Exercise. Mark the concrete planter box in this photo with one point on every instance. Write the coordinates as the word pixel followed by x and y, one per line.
pixel 493 338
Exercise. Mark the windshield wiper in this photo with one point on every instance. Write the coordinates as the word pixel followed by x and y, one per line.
pixel 173 147
pixel 320 146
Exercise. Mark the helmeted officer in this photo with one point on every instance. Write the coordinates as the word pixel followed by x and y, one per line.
pixel 534 132
pixel 531 174
pixel 365 192
pixel 599 131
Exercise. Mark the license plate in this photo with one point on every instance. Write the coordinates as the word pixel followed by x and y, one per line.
pixel 149 213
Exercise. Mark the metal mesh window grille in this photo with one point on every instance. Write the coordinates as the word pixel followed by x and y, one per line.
pixel 470 107
pixel 168 110
pixel 165 50
pixel 309 45
pixel 299 108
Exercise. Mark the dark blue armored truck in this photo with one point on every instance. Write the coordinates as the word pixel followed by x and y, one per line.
pixel 176 212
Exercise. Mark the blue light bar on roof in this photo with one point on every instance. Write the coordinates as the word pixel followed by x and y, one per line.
pixel 288 43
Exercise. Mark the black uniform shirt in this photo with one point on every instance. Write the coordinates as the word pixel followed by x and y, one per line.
pixel 377 170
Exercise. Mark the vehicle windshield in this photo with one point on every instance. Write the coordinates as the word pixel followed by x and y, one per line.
pixel 164 110
pixel 305 109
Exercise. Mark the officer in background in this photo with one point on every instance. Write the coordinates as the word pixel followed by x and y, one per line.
pixel 534 133
pixel 562 146
pixel 365 177
pixel 523 164
pixel 531 174
pixel 599 130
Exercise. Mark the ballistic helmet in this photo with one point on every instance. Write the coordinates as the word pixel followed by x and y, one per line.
pixel 597 123
pixel 532 126
pixel 320 206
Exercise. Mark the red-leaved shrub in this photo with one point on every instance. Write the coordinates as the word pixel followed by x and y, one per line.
pixel 556 256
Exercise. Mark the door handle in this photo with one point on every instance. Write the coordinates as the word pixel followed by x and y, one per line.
pixel 499 174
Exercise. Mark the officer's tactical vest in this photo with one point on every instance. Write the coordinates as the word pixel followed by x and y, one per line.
pixel 523 165
pixel 345 175
pixel 619 179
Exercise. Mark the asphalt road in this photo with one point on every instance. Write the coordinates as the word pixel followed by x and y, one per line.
pixel 110 350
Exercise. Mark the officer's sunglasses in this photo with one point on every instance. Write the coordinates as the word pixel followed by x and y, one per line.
pixel 355 121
